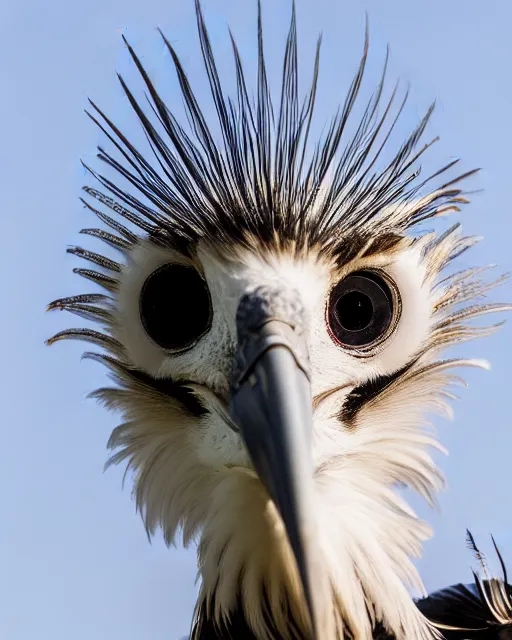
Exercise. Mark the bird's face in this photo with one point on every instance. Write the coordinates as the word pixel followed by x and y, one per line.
pixel 265 377
pixel 352 327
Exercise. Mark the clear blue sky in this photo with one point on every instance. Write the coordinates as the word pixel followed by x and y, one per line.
pixel 74 559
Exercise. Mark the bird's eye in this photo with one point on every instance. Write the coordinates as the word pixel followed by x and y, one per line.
pixel 175 306
pixel 363 309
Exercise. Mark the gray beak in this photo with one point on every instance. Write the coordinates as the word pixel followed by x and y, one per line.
pixel 271 404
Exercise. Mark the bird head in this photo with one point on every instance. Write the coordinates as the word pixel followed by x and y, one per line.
pixel 274 331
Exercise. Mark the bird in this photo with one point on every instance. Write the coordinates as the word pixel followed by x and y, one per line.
pixel 274 331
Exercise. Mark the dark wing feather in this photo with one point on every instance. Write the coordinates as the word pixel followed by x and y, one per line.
pixel 462 614
pixel 480 611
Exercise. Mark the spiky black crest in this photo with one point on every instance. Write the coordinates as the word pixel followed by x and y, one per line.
pixel 264 180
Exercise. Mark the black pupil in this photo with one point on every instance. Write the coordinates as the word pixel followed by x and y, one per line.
pixel 354 311
pixel 360 309
pixel 175 306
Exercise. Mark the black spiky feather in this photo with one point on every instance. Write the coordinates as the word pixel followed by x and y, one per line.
pixel 264 178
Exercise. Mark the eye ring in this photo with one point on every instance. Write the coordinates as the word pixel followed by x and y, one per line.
pixel 175 307
pixel 370 314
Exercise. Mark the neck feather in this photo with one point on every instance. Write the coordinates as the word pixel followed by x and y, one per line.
pixel 250 578
pixel 237 627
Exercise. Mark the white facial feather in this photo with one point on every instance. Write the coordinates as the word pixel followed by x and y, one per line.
pixel 198 475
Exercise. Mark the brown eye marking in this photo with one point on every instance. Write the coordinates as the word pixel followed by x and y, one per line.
pixel 368 391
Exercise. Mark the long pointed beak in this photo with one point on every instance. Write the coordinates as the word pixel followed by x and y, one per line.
pixel 271 403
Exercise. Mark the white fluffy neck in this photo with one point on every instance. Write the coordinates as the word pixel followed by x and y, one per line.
pixel 366 533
